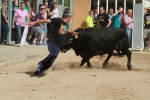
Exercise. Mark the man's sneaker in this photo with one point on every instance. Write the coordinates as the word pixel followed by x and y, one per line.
pixel 26 43
pixel 4 40
pixel 33 43
pixel 39 66
pixel 38 73
pixel 41 44
pixel 18 45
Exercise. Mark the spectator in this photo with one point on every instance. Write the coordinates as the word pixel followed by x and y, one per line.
pixel 27 6
pixel 95 13
pixel 32 13
pixel 93 5
pixel 46 15
pixel 20 16
pixel 55 11
pixel 117 18
pixel 103 19
pixel 38 28
pixel 4 20
pixel 111 14
pixel 146 33
pixel 66 9
pixel 89 20
pixel 128 21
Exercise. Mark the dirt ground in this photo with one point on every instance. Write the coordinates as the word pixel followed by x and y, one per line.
pixel 66 81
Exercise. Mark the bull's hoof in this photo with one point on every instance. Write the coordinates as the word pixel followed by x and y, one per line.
pixel 89 66
pixel 104 65
pixel 80 66
pixel 129 67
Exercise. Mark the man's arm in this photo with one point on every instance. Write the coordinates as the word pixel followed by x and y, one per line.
pixel 13 22
pixel 109 22
pixel 116 13
pixel 4 15
pixel 72 31
pixel 87 22
pixel 127 22
pixel 39 21
pixel 28 18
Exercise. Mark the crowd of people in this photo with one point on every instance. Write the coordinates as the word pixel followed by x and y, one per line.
pixel 119 19
pixel 26 13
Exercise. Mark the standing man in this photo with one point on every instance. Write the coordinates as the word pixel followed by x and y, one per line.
pixel 4 20
pixel 146 33
pixel 128 24
pixel 27 6
pixel 20 15
pixel 53 14
pixel 89 20
pixel 55 11
pixel 117 18
pixel 60 28
pixel 103 19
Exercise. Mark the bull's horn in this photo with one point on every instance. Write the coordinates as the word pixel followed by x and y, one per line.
pixel 76 36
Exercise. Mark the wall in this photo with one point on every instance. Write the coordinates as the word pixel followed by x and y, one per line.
pixel 80 12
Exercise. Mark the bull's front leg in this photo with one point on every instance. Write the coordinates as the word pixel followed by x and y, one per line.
pixel 88 63
pixel 107 59
pixel 82 62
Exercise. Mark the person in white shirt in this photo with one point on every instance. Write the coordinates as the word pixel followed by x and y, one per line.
pixel 55 11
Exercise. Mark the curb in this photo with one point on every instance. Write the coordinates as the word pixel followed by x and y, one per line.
pixel 10 61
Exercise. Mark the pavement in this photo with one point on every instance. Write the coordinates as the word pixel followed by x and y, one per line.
pixel 10 54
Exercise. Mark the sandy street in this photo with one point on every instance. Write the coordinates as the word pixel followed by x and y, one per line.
pixel 66 81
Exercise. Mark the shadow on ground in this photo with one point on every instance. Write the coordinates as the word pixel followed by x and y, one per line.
pixel 31 73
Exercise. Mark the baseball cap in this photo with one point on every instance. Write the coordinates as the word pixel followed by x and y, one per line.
pixel 67 14
pixel 42 7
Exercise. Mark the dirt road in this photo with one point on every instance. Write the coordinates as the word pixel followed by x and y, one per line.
pixel 66 81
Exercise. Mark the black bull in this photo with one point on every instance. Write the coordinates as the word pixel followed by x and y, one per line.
pixel 98 41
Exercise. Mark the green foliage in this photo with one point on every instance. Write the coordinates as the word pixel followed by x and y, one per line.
pixel 66 3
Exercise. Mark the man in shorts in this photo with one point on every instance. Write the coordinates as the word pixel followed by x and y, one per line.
pixel 38 28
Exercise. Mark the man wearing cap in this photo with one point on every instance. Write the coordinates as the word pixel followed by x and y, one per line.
pixel 56 40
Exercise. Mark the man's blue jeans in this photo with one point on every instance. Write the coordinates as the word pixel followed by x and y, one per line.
pixel 128 31
pixel 5 29
pixel 20 30
pixel 49 60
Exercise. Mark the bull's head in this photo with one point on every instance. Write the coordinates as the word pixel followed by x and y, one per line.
pixel 70 39
pixel 68 43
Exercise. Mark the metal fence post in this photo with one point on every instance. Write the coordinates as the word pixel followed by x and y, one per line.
pixel 70 7
pixel 37 5
pixel 62 6
pixel 54 0
pixel 10 22
pixel 19 1
pixel 0 16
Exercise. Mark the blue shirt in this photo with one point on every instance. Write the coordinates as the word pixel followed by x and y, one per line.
pixel 117 20
pixel 111 16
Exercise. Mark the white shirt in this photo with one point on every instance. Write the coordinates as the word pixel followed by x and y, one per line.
pixel 56 12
